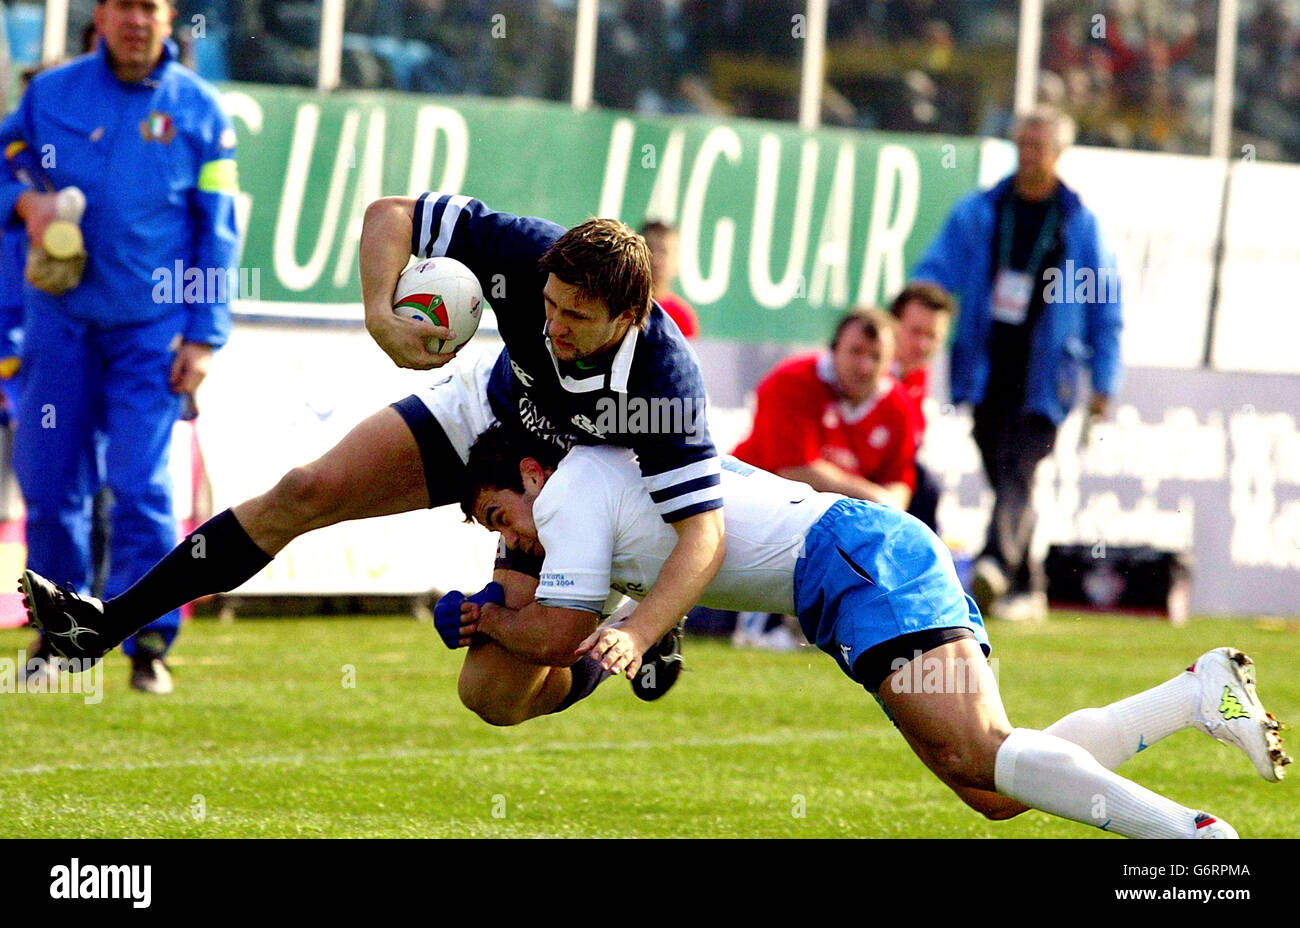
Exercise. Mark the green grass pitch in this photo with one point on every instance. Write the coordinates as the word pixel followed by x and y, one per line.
pixel 262 738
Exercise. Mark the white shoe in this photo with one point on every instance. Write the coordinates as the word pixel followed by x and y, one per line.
pixel 1022 607
pixel 1207 826
pixel 1229 710
pixel 988 584
pixel 779 639
pixel 149 674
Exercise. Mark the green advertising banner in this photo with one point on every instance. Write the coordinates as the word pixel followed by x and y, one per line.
pixel 781 230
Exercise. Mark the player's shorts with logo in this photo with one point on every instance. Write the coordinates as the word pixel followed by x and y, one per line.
pixel 870 575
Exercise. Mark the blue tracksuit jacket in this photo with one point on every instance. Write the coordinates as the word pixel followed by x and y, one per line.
pixel 1078 330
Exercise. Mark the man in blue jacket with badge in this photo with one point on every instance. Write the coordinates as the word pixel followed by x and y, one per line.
pixel 147 143
pixel 1040 303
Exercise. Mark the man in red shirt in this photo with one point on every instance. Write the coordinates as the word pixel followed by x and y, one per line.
pixel 923 312
pixel 836 419
pixel 663 241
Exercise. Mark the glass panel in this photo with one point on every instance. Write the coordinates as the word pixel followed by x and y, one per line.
pixel 202 31
pixel 268 42
pixel 81 15
pixel 1135 74
pixel 24 28
pixel 735 57
pixel 1267 107
pixel 921 65
pixel 484 47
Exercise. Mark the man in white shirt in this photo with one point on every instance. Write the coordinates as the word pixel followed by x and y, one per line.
pixel 876 590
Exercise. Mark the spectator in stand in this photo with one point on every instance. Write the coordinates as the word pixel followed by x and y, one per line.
pixel 923 313
pixel 663 240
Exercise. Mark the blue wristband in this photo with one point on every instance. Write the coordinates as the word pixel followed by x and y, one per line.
pixel 446 618
pixel 492 593
pixel 446 613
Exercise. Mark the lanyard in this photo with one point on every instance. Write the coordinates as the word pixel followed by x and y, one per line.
pixel 1006 232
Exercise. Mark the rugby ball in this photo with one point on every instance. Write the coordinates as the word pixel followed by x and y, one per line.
pixel 442 291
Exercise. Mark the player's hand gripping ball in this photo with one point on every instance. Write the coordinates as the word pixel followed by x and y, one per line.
pixel 442 291
pixel 446 613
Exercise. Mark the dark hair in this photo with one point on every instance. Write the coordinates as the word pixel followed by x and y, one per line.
pixel 658 227
pixel 931 296
pixel 607 261
pixel 494 462
pixel 873 321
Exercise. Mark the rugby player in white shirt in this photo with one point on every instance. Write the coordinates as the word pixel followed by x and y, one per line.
pixel 872 587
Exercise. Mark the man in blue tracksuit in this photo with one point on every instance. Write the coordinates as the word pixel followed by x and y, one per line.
pixel 147 142
pixel 1040 303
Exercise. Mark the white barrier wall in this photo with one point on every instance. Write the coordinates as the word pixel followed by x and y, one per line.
pixel 1258 327
pixel 1161 215
pixel 281 395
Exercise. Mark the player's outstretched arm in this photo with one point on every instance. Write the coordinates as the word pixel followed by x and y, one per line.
pixel 384 252
pixel 694 562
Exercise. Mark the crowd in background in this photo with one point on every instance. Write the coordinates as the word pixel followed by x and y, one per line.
pixel 1133 73
pixel 1141 74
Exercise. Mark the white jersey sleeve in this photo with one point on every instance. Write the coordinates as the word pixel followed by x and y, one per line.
pixel 576 515
pixel 600 529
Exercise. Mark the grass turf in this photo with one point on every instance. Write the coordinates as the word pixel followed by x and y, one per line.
pixel 262 738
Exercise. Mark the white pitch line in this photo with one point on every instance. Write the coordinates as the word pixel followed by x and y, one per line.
pixel 271 760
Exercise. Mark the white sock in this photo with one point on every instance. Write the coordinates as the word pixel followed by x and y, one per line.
pixel 1057 776
pixel 751 624
pixel 1115 733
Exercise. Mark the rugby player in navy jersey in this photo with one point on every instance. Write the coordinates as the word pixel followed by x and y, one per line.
pixel 587 356
pixel 872 587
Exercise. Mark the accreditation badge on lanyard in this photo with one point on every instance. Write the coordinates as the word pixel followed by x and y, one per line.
pixel 1013 291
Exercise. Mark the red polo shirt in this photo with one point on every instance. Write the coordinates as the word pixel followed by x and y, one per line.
pixel 801 418
pixel 681 313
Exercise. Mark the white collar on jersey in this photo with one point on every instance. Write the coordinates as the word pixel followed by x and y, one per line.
pixel 619 369
pixel 850 412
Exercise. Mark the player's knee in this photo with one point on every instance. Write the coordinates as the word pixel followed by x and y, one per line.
pixel 303 493
pixel 993 807
pixel 500 716
pixel 958 765
pixel 480 697
pixel 967 763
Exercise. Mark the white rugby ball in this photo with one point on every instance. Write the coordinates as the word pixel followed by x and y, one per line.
pixel 442 291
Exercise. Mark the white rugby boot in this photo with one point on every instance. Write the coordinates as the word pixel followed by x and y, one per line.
pixel 1229 710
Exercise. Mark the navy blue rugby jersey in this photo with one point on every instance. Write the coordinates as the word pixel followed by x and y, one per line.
pixel 647 395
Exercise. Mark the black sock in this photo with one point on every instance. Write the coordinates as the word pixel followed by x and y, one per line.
pixel 215 558
pixel 587 675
